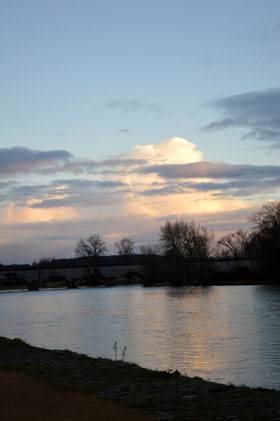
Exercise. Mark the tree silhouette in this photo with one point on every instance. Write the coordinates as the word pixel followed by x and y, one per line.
pixel 92 247
pixel 188 240
pixel 184 243
pixel 267 235
pixel 124 247
pixel 236 244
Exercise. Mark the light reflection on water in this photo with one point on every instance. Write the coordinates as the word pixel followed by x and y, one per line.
pixel 225 334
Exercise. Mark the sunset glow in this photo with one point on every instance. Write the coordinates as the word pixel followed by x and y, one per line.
pixel 117 133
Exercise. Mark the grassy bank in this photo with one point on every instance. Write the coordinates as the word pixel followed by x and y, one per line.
pixel 161 394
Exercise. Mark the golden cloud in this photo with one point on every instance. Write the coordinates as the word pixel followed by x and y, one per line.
pixel 187 201
pixel 25 214
pixel 172 151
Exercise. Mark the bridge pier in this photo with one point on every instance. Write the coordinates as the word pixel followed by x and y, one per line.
pixel 33 286
pixel 73 283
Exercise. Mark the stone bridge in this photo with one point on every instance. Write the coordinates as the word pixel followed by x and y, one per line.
pixel 72 277
pixel 227 265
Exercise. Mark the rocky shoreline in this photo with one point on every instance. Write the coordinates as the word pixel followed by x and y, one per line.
pixel 164 395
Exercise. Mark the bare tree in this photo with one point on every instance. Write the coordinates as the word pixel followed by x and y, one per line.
pixel 124 247
pixel 150 249
pixel 267 235
pixel 154 270
pixel 44 261
pixel 92 247
pixel 235 244
pixel 268 218
pixel 184 243
pixel 186 239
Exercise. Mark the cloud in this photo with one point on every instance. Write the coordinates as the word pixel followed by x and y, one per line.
pixel 109 184
pixel 121 161
pixel 163 191
pixel 174 150
pixel 74 166
pixel 220 178
pixel 129 105
pixel 61 237
pixel 7 184
pixel 71 184
pixel 212 170
pixel 96 194
pixel 51 203
pixel 87 166
pixel 26 214
pixel 166 196
pixel 148 178
pixel 124 131
pixel 29 242
pixel 256 112
pixel 133 192
pixel 22 160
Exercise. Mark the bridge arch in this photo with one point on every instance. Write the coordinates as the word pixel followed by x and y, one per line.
pixel 13 280
pixel 92 279
pixel 242 268
pixel 55 280
pixel 242 273
pixel 133 276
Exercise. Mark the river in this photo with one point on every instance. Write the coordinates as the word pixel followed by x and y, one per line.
pixel 227 334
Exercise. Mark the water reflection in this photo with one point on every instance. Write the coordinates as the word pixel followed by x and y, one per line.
pixel 226 334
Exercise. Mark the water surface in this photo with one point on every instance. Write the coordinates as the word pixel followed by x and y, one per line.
pixel 222 333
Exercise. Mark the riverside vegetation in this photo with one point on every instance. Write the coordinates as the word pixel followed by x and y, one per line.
pixel 188 247
pixel 185 255
pixel 162 394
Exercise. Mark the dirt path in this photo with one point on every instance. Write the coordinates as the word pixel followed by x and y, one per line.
pixel 24 398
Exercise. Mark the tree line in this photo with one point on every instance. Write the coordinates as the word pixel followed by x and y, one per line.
pixel 187 247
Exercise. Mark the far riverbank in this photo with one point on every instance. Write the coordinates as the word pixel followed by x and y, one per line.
pixel 123 282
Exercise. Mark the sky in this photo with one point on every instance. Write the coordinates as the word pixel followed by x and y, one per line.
pixel 117 116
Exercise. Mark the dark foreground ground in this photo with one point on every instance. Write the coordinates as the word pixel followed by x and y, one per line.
pixel 159 394
pixel 24 398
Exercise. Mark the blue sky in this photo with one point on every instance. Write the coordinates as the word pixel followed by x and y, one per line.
pixel 85 82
